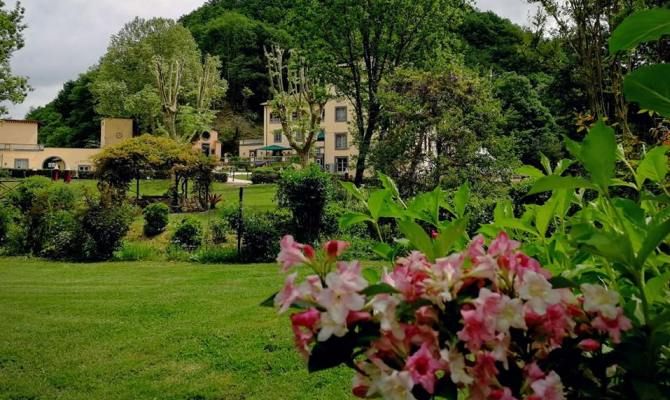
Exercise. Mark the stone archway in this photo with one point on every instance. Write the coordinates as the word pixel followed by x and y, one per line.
pixel 52 162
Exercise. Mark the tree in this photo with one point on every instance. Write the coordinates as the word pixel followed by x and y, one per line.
pixel 12 88
pixel 70 120
pixel 156 63
pixel 298 99
pixel 441 128
pixel 361 43
pixel 527 120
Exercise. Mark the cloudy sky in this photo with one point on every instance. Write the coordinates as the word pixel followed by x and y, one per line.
pixel 66 37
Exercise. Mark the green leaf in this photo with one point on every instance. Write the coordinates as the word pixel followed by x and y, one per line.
pixel 418 237
pixel 554 182
pixel 504 209
pixel 562 166
pixel 331 353
pixel 353 190
pixel 599 154
pixel 514 223
pixel 371 275
pixel 559 282
pixel 377 201
pixel 655 236
pixel 379 288
pixel 545 213
pixel 546 164
pixel 352 218
pixel 448 236
pixel 529 171
pixel 461 199
pixel 653 167
pixel 650 88
pixel 389 185
pixel 656 287
pixel 642 26
pixel 270 301
pixel 383 250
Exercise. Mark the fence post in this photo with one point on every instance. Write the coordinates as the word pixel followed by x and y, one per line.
pixel 240 224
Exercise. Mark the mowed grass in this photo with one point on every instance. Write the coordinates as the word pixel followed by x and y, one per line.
pixel 149 331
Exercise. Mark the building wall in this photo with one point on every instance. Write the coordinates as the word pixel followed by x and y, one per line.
pixel 72 158
pixel 115 130
pixel 212 142
pixel 329 124
pixel 18 132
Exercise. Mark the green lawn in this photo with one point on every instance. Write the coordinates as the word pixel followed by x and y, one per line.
pixel 149 331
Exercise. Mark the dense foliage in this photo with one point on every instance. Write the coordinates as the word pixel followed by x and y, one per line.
pixel 155 218
pixel 188 234
pixel 13 88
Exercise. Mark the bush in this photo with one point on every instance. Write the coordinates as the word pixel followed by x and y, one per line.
pixel 264 175
pixel 219 176
pixel 155 218
pixel 134 251
pixel 7 215
pixel 60 233
pixel 188 234
pixel 260 235
pixel 305 193
pixel 23 196
pixel 218 231
pixel 215 255
pixel 104 225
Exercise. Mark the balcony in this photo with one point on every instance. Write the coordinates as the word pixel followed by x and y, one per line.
pixel 251 142
pixel 21 147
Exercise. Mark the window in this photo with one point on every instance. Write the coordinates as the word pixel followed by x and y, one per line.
pixel 340 114
pixel 274 118
pixel 21 163
pixel 278 135
pixel 299 136
pixel 294 116
pixel 84 168
pixel 205 149
pixel 341 141
pixel 341 164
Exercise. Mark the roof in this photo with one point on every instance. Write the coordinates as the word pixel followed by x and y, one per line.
pixel 20 121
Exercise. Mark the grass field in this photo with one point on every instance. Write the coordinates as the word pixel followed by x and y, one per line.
pixel 149 331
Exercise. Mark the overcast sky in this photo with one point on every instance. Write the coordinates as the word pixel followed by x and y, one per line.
pixel 66 37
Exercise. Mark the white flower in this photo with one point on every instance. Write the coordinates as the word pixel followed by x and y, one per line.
pixel 384 307
pixel 538 292
pixel 510 315
pixel 330 327
pixel 396 386
pixel 598 299
pixel 456 366
pixel 339 298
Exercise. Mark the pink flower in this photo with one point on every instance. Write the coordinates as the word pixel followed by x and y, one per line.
pixel 510 315
pixel 288 295
pixel 408 281
pixel 361 386
pixel 426 315
pixel 557 324
pixel 520 263
pixel 384 308
pixel 422 366
pixel 457 370
pixel 485 370
pixel 533 372
pixel 335 248
pixel 476 247
pixel 502 245
pixel 341 293
pixel 358 316
pixel 415 261
pixel 503 393
pixel 549 388
pixel 589 345
pixel 477 329
pixel 613 326
pixel 304 325
pixel 293 253
pixel 488 302
pixel 443 279
pixel 330 327
pixel 310 288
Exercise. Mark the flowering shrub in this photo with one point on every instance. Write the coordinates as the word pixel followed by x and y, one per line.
pixel 490 322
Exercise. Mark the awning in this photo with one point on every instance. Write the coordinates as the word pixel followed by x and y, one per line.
pixel 321 136
pixel 274 147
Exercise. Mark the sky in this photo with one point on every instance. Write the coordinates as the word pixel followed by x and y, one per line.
pixel 66 37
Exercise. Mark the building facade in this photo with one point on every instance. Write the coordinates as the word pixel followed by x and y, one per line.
pixel 20 149
pixel 334 149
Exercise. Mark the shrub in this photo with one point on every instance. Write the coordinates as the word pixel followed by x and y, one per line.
pixel 215 255
pixel 188 234
pixel 23 196
pixel 104 225
pixel 155 218
pixel 305 193
pixel 136 251
pixel 264 175
pixel 176 253
pixel 260 234
pixel 220 177
pixel 218 231
pixel 7 216
pixel 60 231
pixel 231 214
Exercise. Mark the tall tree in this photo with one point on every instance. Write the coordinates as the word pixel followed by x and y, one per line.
pixel 12 88
pixel 298 99
pixel 362 42
pixel 154 63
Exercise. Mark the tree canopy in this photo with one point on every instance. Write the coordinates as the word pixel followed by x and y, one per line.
pixel 12 88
